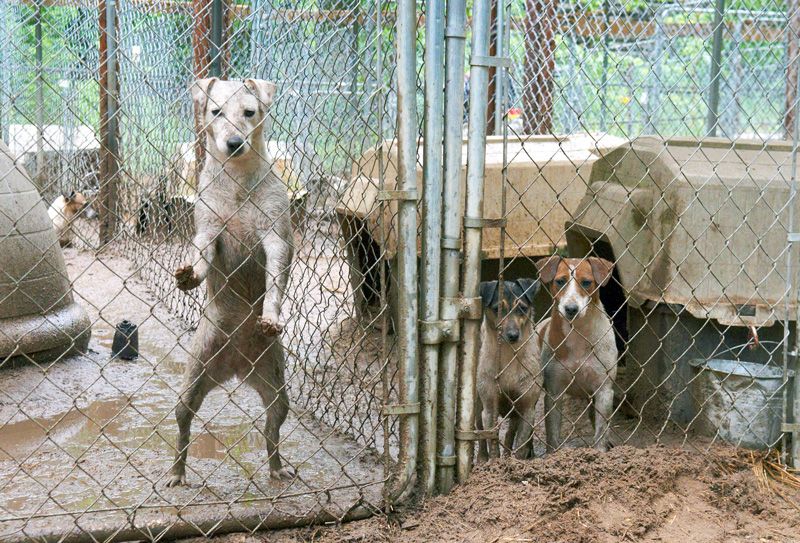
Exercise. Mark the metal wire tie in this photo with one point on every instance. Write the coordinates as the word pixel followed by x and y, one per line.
pixel 451 243
pixel 475 435
pixel 480 222
pixel 445 460
pixel 790 428
pixel 497 62
pixel 436 332
pixel 401 409
pixel 404 195
pixel 793 237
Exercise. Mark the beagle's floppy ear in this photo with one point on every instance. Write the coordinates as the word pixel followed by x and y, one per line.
pixel 547 268
pixel 200 90
pixel 69 197
pixel 601 270
pixel 264 90
pixel 529 288
pixel 488 290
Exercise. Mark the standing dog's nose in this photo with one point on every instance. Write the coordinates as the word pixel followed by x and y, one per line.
pixel 512 336
pixel 571 311
pixel 235 144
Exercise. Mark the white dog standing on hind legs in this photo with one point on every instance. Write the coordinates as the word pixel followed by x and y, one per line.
pixel 244 239
pixel 579 354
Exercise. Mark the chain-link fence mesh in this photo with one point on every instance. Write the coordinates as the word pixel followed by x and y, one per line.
pixel 599 155
pixel 673 324
pixel 88 439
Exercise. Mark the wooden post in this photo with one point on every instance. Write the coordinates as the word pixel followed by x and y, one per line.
pixel 109 125
pixel 540 49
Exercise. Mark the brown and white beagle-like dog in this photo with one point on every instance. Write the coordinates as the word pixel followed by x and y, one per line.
pixel 579 354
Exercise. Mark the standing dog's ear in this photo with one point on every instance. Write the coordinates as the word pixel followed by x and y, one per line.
pixel 547 268
pixel 529 288
pixel 264 90
pixel 69 197
pixel 200 90
pixel 601 270
pixel 488 289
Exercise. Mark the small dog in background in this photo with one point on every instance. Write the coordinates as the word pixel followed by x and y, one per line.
pixel 65 210
pixel 579 352
pixel 509 369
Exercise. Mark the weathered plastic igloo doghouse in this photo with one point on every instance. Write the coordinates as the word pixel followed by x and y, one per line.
pixel 698 229
pixel 39 318
pixel 546 179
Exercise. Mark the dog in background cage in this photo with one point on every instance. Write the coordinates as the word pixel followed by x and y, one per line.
pixel 65 210
pixel 509 372
pixel 578 345
pixel 244 239
pixel 162 213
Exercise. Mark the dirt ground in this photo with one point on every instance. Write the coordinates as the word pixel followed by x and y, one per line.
pixel 579 495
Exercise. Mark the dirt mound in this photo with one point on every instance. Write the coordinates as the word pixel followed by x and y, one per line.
pixel 580 495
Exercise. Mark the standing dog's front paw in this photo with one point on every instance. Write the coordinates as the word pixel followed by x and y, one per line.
pixel 186 278
pixel 176 480
pixel 270 325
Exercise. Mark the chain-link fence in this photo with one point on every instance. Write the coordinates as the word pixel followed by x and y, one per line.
pixel 416 324
pixel 88 437
pixel 667 314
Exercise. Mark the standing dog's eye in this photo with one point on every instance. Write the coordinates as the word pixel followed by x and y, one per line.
pixel 215 112
pixel 586 283
pixel 249 112
pixel 560 282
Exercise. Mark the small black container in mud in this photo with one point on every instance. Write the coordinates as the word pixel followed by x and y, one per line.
pixel 126 341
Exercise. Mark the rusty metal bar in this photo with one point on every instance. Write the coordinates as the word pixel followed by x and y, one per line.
pixel 476 159
pixel 712 120
pixel 170 529
pixel 541 27
pixel 216 37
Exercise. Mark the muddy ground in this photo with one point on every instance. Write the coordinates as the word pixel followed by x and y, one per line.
pixel 87 439
pixel 579 495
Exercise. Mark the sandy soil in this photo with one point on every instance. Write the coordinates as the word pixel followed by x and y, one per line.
pixel 579 495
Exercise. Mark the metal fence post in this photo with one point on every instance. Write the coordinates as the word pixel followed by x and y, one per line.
pixel 712 122
pixel 473 225
pixel 109 121
pixel 451 237
pixel 431 238
pixel 791 403
pixel 407 312
pixel 791 395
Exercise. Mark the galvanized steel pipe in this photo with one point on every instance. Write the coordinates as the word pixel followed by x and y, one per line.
pixel 406 326
pixel 451 238
pixel 431 235
pixel 476 159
